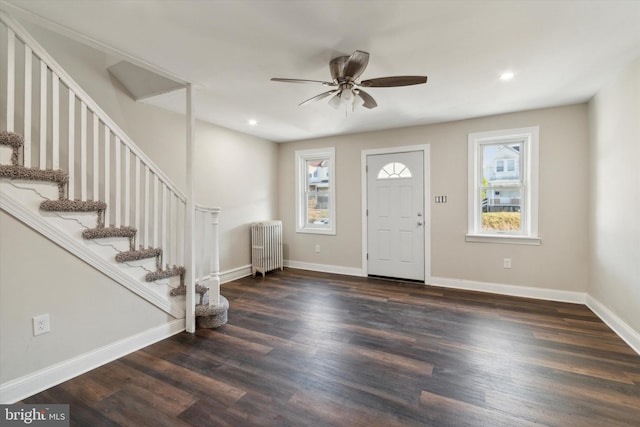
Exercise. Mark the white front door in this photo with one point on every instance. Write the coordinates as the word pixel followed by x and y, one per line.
pixel 395 215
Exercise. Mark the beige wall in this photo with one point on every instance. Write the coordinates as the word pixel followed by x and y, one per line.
pixel 233 171
pixel 87 309
pixel 559 263
pixel 239 173
pixel 614 184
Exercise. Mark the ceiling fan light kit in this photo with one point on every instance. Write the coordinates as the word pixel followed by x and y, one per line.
pixel 345 71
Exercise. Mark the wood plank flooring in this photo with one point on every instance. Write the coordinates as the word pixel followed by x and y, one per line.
pixel 315 349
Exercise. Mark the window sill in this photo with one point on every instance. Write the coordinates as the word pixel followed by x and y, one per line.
pixel 316 231
pixel 503 239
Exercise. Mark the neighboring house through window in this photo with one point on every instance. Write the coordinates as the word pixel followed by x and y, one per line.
pixel 503 186
pixel 315 191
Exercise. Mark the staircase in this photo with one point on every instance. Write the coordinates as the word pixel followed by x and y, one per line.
pixel 64 204
pixel 113 207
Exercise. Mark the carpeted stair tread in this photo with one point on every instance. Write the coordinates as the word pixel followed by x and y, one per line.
pixel 182 290
pixel 138 254
pixel 212 316
pixel 163 274
pixel 13 140
pixel 105 232
pixel 211 310
pixel 58 176
pixel 66 205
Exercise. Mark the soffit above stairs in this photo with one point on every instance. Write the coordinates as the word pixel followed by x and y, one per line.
pixel 142 83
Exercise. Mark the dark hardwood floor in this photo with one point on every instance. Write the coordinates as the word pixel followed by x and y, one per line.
pixel 314 349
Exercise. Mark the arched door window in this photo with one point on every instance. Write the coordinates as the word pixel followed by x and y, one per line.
pixel 394 170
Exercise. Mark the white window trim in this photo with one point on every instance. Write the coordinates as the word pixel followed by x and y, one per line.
pixel 529 157
pixel 301 157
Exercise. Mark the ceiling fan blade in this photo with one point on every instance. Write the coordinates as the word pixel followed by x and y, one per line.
pixel 318 97
pixel 369 102
pixel 394 81
pixel 277 79
pixel 335 102
pixel 336 67
pixel 356 64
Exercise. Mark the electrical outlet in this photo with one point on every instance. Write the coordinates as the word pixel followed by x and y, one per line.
pixel 507 263
pixel 41 325
pixel 317 248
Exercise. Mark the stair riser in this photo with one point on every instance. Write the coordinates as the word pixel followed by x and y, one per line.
pixel 173 282
pixel 161 287
pixel 5 154
pixel 111 247
pixel 86 219
pixel 49 190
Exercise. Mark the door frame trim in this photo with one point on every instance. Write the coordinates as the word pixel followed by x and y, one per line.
pixel 425 148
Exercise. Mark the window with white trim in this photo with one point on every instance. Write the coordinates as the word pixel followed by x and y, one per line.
pixel 503 186
pixel 315 191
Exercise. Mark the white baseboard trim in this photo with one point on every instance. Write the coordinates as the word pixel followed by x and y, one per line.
pixel 325 268
pixel 619 326
pixel 513 290
pixel 28 385
pixel 235 273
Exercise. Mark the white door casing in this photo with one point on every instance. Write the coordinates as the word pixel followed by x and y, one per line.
pixel 395 215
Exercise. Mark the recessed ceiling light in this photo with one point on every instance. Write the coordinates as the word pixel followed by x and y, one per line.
pixel 253 122
pixel 507 75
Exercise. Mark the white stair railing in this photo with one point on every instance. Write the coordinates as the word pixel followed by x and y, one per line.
pixel 63 128
pixel 72 133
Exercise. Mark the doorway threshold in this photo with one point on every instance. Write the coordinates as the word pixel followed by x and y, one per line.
pixel 396 279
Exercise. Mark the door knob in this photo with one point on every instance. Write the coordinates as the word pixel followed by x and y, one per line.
pixel 419 213
pixel 419 222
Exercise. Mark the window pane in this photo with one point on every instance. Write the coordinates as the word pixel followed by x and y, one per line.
pixel 501 163
pixel 501 209
pixel 318 172
pixel 317 188
pixel 318 208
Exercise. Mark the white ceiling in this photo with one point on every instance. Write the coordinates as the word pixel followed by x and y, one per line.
pixel 561 52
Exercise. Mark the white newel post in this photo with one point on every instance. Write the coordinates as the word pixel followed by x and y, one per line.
pixel 214 290
pixel 189 238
